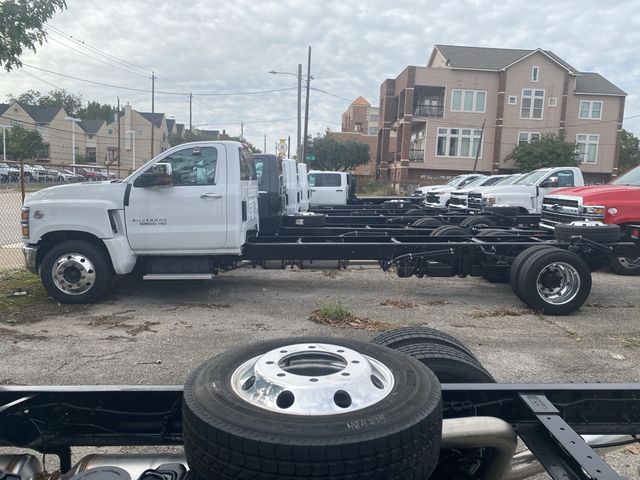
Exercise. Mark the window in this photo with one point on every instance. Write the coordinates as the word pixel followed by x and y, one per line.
pixel 513 99
pixel 590 110
pixel 373 130
pixel 247 167
pixel 324 180
pixel 535 71
pixel 373 118
pixel 458 142
pixel 90 137
pixel 528 137
pixel 532 104
pixel 140 132
pixel 112 153
pixel 587 147
pixel 468 100
pixel 109 131
pixel 553 101
pixel 194 166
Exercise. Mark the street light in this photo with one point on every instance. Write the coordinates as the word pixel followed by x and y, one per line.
pixel 133 146
pixel 73 140
pixel 4 141
pixel 300 76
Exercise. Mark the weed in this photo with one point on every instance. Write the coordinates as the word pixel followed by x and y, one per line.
pixel 335 315
pixel 399 303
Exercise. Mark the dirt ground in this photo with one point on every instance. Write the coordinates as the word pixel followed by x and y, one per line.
pixel 156 332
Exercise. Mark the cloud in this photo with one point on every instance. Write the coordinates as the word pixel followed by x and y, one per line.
pixel 204 46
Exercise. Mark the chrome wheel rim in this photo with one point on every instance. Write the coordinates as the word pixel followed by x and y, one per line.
pixel 558 283
pixel 312 379
pixel 73 273
pixel 630 263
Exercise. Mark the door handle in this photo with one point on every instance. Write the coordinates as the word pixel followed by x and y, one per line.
pixel 339 190
pixel 211 195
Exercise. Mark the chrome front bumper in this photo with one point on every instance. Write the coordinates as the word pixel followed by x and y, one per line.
pixel 30 255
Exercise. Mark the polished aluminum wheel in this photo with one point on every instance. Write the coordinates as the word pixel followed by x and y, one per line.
pixel 558 283
pixel 312 379
pixel 73 273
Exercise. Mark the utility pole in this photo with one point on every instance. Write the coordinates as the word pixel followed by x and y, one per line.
pixel 305 143
pixel 118 114
pixel 241 130
pixel 298 152
pixel 475 164
pixel 265 143
pixel 289 146
pixel 153 107
pixel 4 140
pixel 190 116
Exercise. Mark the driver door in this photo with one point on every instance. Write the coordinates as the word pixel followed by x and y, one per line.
pixel 189 216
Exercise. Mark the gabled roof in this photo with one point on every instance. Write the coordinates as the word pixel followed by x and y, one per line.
pixel 40 114
pixel 491 59
pixel 179 128
pixel 170 124
pixel 3 107
pixel 157 117
pixel 361 101
pixel 91 126
pixel 594 83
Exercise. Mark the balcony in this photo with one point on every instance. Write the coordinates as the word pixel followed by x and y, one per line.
pixel 428 110
pixel 416 154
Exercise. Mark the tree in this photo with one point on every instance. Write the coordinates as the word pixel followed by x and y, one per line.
pixel 198 136
pixel 331 154
pixel 96 111
pixel 629 155
pixel 63 99
pixel 23 143
pixel 30 97
pixel 21 26
pixel 550 151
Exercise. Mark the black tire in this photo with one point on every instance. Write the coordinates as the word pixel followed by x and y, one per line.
pixel 450 230
pixel 228 438
pixel 307 219
pixel 102 270
pixel 544 263
pixel 449 364
pixel 488 232
pixel 427 222
pixel 514 271
pixel 477 221
pixel 601 233
pixel 625 266
pixel 402 336
pixel 415 211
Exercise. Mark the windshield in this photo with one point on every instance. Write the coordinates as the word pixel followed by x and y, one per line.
pixel 476 182
pixel 454 181
pixel 490 181
pixel 630 178
pixel 508 180
pixel 531 178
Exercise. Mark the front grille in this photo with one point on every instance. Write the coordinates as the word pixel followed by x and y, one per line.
pixel 457 201
pixel 474 200
pixel 561 202
pixel 433 198
pixel 555 217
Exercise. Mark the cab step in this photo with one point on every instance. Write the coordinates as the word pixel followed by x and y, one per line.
pixel 178 276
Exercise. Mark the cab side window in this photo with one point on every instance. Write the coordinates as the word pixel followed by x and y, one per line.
pixel 565 178
pixel 193 166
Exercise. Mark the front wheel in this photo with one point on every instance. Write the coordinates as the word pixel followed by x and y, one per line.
pixel 76 271
pixel 626 265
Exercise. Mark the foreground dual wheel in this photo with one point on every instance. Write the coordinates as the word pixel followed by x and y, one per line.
pixel 312 408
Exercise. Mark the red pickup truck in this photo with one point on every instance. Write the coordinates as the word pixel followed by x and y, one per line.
pixel 617 202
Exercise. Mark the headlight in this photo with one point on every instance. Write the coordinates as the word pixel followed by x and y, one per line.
pixel 595 211
pixel 489 200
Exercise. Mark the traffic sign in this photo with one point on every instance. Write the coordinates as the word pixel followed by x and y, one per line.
pixel 310 158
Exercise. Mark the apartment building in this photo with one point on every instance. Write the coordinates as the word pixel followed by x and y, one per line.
pixel 360 117
pixel 473 102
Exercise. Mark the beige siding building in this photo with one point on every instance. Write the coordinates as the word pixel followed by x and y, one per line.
pixel 438 113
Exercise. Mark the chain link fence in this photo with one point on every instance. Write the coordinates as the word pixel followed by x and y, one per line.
pixel 34 177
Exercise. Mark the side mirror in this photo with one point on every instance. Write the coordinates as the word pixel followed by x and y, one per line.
pixel 158 175
pixel 551 182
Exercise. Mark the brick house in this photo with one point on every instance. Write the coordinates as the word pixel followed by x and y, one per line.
pixel 360 117
pixel 438 111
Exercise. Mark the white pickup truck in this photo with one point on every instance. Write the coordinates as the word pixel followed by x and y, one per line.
pixel 526 194
pixel 329 188
pixel 454 183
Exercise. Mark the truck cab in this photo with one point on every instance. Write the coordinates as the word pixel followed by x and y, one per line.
pixel 303 187
pixel 526 193
pixel 186 212
pixel 329 188
pixel 290 191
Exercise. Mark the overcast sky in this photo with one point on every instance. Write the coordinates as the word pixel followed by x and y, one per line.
pixel 228 47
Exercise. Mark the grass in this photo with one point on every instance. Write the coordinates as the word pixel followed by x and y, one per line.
pixel 22 297
pixel 336 315
pixel 399 303
pixel 631 342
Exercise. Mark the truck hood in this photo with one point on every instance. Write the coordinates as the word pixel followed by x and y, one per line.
pixel 466 190
pixel 442 189
pixel 595 193
pixel 81 192
pixel 511 190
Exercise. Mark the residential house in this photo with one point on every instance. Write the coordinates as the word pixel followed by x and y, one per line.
pixel 53 126
pixel 473 102
pixel 360 117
